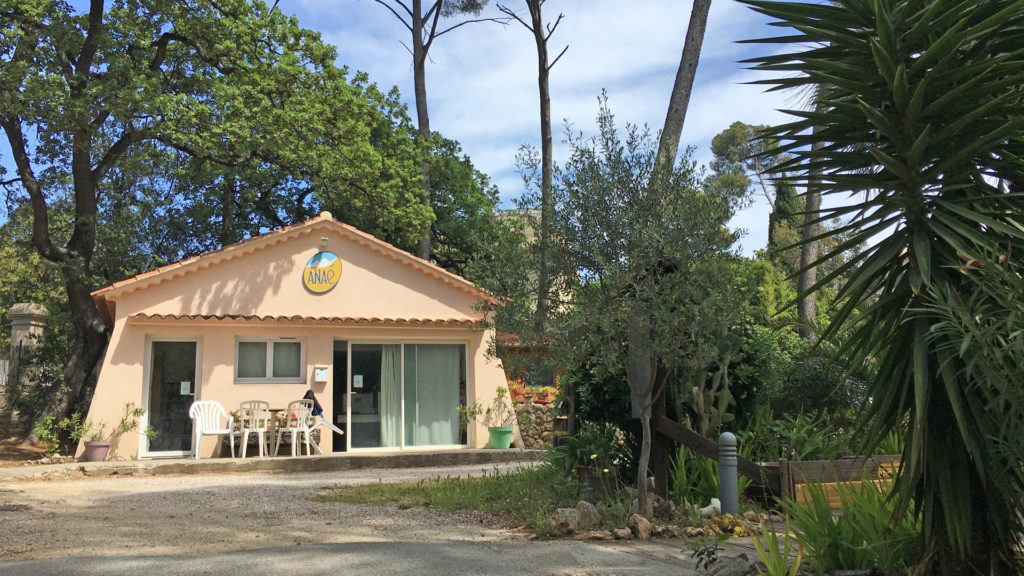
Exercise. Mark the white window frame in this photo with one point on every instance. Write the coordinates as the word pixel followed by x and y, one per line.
pixel 268 374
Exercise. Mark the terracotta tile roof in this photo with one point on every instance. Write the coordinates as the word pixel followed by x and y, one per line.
pixel 298 319
pixel 322 222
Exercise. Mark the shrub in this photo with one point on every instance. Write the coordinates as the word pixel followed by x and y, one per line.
pixel 694 480
pixel 864 536
pixel 797 437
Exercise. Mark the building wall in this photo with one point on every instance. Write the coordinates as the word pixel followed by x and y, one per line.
pixel 268 282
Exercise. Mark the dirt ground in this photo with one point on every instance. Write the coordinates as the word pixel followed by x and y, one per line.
pixel 14 453
pixel 207 514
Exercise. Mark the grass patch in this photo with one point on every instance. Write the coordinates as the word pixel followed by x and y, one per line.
pixel 529 495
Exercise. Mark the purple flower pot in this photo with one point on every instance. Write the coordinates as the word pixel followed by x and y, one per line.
pixel 96 451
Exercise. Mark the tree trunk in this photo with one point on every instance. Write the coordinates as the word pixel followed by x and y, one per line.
pixel 641 374
pixel 808 254
pixel 227 224
pixel 87 350
pixel 644 505
pixel 547 164
pixel 668 146
pixel 419 72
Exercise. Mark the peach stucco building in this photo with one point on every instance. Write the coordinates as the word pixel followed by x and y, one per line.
pixel 389 343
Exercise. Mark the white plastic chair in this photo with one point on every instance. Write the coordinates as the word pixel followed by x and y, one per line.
pixel 206 418
pixel 255 416
pixel 298 420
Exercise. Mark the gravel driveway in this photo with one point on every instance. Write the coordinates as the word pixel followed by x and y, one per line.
pixel 259 523
pixel 207 514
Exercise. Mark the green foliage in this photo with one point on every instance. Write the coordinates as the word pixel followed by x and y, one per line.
pixel 769 355
pixel 705 550
pixel 793 437
pixel 870 532
pixel 499 413
pixel 778 560
pixel 466 229
pixel 820 384
pixel 693 480
pixel 47 431
pixel 529 495
pixel 920 107
pixel 595 446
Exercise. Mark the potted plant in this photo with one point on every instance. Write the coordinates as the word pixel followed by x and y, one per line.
pixel 97 446
pixel 545 394
pixel 498 417
pixel 517 390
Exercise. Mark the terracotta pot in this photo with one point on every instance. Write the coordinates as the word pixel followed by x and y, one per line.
pixel 96 451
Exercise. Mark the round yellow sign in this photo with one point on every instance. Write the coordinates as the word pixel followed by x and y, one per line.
pixel 322 272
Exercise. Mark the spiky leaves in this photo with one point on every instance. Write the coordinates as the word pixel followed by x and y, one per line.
pixel 919 111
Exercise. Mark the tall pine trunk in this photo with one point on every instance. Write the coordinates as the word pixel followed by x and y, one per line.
pixel 547 165
pixel 419 71
pixel 806 309
pixel 668 146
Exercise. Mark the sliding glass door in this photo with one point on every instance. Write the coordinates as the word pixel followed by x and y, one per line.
pixel 434 388
pixel 404 395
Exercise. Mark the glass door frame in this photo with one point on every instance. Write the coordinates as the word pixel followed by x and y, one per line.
pixel 470 392
pixel 147 376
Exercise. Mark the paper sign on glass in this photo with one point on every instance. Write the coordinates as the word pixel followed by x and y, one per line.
pixel 186 388
pixel 357 380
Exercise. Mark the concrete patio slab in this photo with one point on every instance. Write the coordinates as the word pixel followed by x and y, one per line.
pixel 324 463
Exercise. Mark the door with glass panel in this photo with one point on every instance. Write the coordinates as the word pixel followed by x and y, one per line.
pixel 375 396
pixel 172 387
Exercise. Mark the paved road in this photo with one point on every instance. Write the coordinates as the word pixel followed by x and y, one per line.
pixel 391 558
pixel 266 524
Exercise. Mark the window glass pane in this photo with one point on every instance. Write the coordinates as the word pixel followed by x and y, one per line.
pixel 432 390
pixel 287 359
pixel 252 359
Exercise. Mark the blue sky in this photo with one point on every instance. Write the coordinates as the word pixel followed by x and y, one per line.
pixel 482 87
pixel 482 78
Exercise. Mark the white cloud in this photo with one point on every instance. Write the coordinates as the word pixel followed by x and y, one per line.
pixel 482 87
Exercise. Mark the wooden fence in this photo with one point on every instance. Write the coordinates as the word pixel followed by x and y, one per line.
pixel 4 371
pixel 794 477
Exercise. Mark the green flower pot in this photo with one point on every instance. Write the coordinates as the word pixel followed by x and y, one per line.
pixel 501 436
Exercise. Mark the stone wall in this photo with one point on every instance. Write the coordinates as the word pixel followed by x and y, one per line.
pixel 539 425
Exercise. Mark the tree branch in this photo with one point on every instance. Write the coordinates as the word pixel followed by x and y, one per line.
pixel 433 26
pixel 551 27
pixel 215 158
pixel 116 151
pixel 40 216
pixel 92 40
pixel 560 54
pixel 397 15
pixel 511 13
pixel 502 21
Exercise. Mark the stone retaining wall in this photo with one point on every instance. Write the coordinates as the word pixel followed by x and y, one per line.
pixel 537 431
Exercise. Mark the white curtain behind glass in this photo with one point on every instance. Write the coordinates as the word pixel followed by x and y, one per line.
pixel 432 395
pixel 252 359
pixel 287 360
pixel 390 395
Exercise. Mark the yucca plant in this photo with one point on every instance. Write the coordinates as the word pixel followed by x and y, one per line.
pixel 865 535
pixel 916 126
